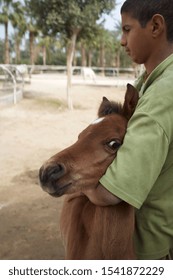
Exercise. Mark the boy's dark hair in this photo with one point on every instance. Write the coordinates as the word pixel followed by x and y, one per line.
pixel 143 11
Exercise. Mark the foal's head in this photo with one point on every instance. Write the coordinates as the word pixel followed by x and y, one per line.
pixel 81 165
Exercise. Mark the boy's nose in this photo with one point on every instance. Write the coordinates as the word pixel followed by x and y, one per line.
pixel 123 41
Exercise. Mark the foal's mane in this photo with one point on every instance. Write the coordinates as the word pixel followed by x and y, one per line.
pixel 110 107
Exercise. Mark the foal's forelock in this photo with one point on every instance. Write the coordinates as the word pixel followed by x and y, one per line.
pixel 117 108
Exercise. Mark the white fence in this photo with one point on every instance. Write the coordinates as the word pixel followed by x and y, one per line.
pixel 107 71
pixel 12 79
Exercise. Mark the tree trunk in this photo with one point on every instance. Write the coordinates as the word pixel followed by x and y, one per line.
pixel 90 58
pixel 7 56
pixel 17 49
pixel 75 59
pixel 31 46
pixel 83 56
pixel 18 53
pixel 44 55
pixel 102 57
pixel 70 54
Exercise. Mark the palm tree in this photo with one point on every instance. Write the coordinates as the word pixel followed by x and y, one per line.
pixel 10 11
pixel 32 29
pixel 5 9
pixel 33 32
pixel 19 23
pixel 45 43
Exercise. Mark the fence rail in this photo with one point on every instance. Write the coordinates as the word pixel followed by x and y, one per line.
pixel 107 71
pixel 13 77
pixel 11 83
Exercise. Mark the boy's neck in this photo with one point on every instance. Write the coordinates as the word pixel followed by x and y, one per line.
pixel 160 55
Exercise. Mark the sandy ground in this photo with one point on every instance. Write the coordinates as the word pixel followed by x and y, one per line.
pixel 30 132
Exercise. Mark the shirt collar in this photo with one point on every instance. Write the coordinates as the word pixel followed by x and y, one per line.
pixel 142 84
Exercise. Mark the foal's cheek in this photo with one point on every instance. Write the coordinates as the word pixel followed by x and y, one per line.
pixel 102 166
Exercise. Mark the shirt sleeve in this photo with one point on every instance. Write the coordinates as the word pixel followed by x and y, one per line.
pixel 139 161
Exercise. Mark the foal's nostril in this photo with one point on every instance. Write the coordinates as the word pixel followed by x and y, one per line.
pixel 51 173
pixel 55 172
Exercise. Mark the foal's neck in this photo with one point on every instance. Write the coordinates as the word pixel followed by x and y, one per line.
pixel 72 196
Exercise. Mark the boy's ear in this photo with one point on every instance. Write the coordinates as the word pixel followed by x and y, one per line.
pixel 158 25
pixel 130 101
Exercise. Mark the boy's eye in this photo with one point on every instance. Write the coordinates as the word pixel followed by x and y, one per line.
pixel 126 28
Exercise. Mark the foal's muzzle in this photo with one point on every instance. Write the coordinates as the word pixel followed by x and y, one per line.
pixel 49 175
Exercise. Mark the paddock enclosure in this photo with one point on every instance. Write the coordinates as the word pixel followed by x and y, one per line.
pixel 30 132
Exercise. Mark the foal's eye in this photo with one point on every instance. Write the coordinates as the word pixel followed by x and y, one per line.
pixel 114 144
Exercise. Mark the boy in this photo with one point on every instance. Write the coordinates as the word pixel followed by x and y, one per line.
pixel 142 173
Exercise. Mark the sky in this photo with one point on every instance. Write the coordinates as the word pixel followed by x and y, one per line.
pixel 110 20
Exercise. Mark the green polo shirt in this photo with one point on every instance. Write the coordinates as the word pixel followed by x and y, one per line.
pixel 142 173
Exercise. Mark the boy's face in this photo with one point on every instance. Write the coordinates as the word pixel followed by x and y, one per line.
pixel 136 40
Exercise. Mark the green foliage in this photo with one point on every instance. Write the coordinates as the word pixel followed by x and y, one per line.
pixel 53 22
pixel 55 16
pixel 9 10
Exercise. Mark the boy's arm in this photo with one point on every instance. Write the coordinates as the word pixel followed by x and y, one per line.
pixel 101 196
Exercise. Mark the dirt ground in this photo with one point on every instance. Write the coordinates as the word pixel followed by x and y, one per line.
pixel 30 132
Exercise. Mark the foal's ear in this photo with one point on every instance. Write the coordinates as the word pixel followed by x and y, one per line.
pixel 104 108
pixel 130 102
pixel 108 107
